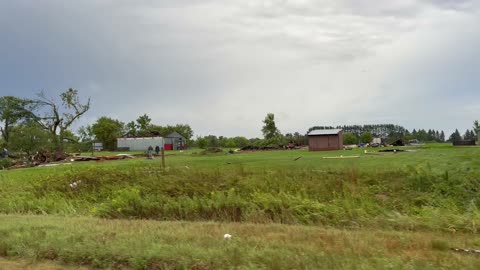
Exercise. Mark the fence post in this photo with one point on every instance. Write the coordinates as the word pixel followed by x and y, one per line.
pixel 163 157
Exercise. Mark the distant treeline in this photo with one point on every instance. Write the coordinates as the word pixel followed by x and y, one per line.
pixel 388 132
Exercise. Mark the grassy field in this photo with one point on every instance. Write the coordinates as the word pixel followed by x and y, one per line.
pixel 286 210
pixel 178 245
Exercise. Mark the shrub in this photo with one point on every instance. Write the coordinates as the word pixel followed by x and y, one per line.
pixel 5 163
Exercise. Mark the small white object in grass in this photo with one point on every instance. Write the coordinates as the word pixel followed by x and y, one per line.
pixel 227 236
pixel 72 160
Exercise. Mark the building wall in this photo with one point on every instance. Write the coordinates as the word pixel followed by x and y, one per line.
pixel 325 142
pixel 140 144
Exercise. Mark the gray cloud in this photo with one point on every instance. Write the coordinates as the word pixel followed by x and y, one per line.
pixel 222 65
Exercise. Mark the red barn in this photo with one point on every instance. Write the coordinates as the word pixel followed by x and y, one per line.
pixel 325 139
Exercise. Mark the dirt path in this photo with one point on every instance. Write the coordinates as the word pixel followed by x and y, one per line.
pixel 10 264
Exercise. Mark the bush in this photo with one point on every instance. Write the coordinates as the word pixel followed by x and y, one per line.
pixel 6 163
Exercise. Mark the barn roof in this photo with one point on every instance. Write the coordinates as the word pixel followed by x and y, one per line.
pixel 175 135
pixel 319 132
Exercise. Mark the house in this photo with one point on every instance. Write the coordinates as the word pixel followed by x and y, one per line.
pixel 175 141
pixel 325 139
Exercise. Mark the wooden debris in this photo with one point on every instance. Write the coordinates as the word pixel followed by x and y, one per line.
pixel 464 250
pixel 85 158
pixel 341 157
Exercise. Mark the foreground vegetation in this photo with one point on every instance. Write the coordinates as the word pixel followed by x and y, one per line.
pixel 179 245
pixel 431 197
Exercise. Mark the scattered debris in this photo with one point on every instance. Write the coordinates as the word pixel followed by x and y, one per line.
pixel 75 184
pixel 54 164
pixel 227 236
pixel 85 158
pixel 465 143
pixel 392 150
pixel 341 157
pixel 260 148
pixel 212 150
pixel 125 155
pixel 374 153
pixel 399 143
pixel 473 251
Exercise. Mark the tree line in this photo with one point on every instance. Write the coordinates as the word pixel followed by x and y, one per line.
pixel 389 132
pixel 44 124
pixel 41 123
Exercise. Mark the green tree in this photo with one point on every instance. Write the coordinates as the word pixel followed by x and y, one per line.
pixel 230 143
pixel 366 137
pixel 269 129
pixel 30 138
pixel 202 142
pixel 469 135
pixel 85 139
pixel 455 137
pixel 12 111
pixel 212 141
pixel 349 138
pixel 143 122
pixel 132 128
pixel 107 131
pixel 241 141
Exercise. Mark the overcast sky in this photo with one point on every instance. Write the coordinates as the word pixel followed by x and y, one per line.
pixel 222 65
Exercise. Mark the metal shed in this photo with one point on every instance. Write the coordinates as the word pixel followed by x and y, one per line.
pixel 139 144
pixel 175 141
pixel 325 139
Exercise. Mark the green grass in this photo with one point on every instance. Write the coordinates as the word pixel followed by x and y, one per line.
pixel 432 194
pixel 183 245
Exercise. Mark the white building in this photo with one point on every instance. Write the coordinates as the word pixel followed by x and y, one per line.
pixel 139 144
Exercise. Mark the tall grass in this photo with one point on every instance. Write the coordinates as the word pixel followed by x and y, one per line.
pixel 140 244
pixel 413 198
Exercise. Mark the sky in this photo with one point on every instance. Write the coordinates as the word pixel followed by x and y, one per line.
pixel 222 65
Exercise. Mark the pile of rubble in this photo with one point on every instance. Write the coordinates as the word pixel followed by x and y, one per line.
pixel 49 159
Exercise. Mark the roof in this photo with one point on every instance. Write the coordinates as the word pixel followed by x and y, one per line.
pixel 320 132
pixel 175 135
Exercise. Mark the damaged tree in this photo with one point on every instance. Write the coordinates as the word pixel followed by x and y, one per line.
pixel 55 118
